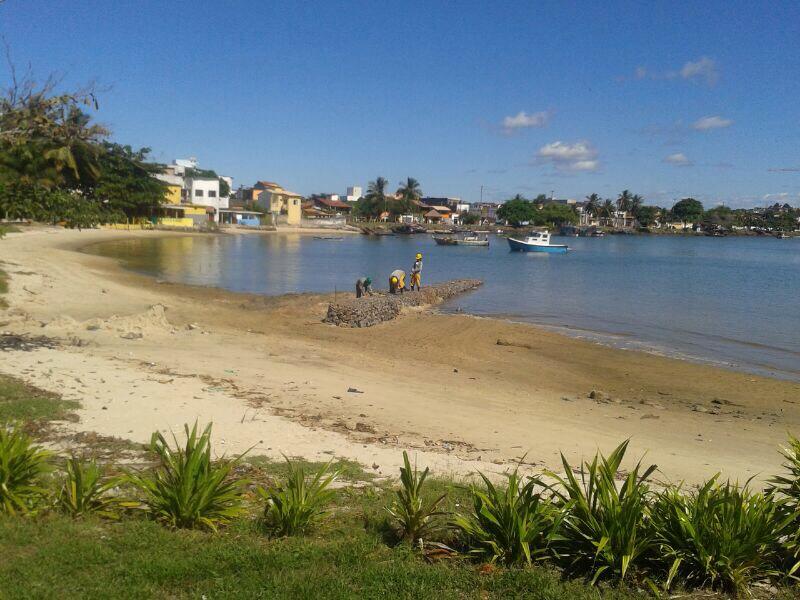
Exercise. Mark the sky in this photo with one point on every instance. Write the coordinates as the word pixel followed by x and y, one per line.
pixel 568 98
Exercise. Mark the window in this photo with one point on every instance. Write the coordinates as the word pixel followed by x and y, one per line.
pixel 198 193
pixel 212 193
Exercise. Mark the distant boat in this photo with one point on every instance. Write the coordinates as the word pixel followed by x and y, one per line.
pixel 538 241
pixel 465 240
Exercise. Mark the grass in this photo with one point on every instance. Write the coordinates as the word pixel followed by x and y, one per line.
pixel 27 404
pixel 56 557
pixel 3 287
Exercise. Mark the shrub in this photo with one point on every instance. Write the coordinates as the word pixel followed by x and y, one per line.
pixel 720 535
pixel 787 487
pixel 83 491
pixel 415 518
pixel 22 464
pixel 512 524
pixel 188 490
pixel 605 528
pixel 295 505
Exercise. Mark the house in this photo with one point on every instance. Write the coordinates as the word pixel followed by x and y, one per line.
pixel 284 206
pixel 204 191
pixel 438 214
pixel 447 202
pixel 619 219
pixel 585 218
pixel 242 218
pixel 487 211
pixel 193 189
pixel 334 205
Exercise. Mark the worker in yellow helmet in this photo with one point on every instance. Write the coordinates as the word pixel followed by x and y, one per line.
pixel 397 281
pixel 416 272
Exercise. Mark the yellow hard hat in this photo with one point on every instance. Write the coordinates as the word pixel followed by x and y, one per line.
pixel 419 256
pixel 393 279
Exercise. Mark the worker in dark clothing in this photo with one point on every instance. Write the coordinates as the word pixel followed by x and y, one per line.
pixel 363 287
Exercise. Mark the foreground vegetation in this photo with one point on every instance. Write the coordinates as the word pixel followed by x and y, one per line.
pixel 183 524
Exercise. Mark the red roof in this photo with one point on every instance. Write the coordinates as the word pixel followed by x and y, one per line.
pixel 334 203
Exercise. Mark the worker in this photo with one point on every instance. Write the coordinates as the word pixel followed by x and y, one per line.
pixel 416 272
pixel 363 287
pixel 397 281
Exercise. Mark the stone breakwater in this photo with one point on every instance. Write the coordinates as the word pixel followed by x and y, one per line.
pixel 371 310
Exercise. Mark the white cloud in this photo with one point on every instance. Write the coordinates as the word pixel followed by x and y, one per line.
pixel 678 159
pixel 577 157
pixel 523 120
pixel 715 122
pixel 781 197
pixel 703 68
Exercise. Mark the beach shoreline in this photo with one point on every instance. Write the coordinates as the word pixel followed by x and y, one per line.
pixel 462 393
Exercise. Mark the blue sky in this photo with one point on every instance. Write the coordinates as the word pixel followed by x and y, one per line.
pixel 526 97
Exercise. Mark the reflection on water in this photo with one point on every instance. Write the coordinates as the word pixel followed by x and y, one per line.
pixel 732 301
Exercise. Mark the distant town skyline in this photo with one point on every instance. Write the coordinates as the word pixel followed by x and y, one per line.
pixel 667 101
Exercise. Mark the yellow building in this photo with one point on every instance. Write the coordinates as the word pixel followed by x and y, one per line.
pixel 283 205
pixel 173 195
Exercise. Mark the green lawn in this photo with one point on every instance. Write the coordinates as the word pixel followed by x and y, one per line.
pixel 3 288
pixel 56 557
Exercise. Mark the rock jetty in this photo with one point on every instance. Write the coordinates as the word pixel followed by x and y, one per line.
pixel 371 310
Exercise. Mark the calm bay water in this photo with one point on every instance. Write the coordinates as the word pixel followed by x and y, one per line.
pixel 728 301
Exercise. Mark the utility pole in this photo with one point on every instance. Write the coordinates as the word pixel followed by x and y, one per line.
pixel 481 194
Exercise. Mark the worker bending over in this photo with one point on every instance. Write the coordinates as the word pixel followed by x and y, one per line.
pixel 397 281
pixel 363 287
pixel 416 272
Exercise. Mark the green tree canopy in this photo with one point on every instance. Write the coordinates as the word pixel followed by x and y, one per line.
pixel 688 210
pixel 516 211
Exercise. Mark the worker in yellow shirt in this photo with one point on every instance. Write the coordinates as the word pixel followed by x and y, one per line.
pixel 397 281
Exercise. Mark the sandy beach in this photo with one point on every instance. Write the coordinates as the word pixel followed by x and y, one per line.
pixel 461 393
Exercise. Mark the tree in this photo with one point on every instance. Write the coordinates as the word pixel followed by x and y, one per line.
pixel 688 210
pixel 470 218
pixel 126 181
pixel 409 192
pixel 593 204
pixel 636 204
pixel 516 211
pixel 624 200
pixel 556 214
pixel 648 215
pixel 374 202
pixel 607 209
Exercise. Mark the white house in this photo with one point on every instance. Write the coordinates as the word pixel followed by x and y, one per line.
pixel 204 191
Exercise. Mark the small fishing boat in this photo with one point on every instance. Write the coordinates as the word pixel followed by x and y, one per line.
pixel 538 241
pixel 464 240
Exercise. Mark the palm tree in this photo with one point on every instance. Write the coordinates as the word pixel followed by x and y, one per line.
pixel 624 200
pixel 593 204
pixel 607 209
pixel 376 201
pixel 409 191
pixel 636 203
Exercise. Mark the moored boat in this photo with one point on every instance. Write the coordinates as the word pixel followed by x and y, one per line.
pixel 464 240
pixel 538 241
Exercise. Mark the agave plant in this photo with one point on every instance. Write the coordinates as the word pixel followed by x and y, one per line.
pixel 84 492
pixel 721 535
pixel 606 527
pixel 296 504
pixel 22 465
pixel 514 524
pixel 188 490
pixel 416 518
pixel 787 487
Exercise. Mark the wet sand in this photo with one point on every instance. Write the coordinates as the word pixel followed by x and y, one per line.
pixel 462 392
